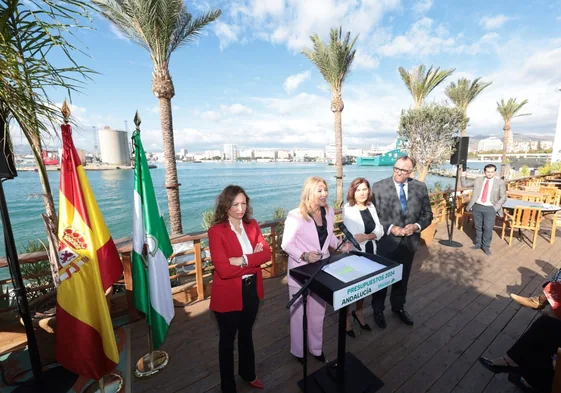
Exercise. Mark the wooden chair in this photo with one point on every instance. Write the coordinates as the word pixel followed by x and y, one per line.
pixel 557 198
pixel 461 213
pixel 513 195
pixel 537 198
pixel 550 193
pixel 555 222
pixel 535 187
pixel 523 218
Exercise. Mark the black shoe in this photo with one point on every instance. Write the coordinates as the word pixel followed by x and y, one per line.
pixel 350 333
pixel 380 319
pixel 476 247
pixel 321 358
pixel 404 316
pixel 487 252
pixel 521 383
pixel 301 360
pixel 494 368
pixel 363 327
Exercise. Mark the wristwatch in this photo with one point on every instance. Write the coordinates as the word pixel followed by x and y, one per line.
pixel 303 257
pixel 244 262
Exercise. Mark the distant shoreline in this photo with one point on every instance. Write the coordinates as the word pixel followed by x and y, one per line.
pixel 91 167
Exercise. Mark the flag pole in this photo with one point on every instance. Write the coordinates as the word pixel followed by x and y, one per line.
pixel 154 361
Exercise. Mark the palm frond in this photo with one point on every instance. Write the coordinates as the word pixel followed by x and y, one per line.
pixel 420 81
pixel 510 109
pixel 465 91
pixel 159 26
pixel 334 60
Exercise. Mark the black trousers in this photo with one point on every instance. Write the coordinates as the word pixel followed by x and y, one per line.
pixel 240 322
pixel 484 220
pixel 534 350
pixel 405 256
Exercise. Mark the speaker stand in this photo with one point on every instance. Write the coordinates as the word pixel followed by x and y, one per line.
pixel 450 241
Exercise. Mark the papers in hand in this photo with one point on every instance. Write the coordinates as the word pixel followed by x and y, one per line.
pixel 352 267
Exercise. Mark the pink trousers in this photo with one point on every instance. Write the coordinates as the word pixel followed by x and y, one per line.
pixel 315 314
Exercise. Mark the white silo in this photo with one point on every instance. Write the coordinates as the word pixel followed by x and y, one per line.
pixel 114 147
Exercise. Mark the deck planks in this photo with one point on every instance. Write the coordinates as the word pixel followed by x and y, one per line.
pixel 459 299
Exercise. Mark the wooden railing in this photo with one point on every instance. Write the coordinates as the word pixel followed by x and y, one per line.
pixel 202 269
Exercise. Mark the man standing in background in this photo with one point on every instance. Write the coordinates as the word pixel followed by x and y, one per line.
pixel 404 209
pixel 487 200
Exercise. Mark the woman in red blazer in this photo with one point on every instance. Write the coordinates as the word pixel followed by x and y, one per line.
pixel 238 250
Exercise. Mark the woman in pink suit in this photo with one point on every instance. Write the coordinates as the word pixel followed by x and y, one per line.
pixel 308 234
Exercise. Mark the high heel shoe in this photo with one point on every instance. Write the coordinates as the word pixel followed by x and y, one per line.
pixel 256 383
pixel 351 333
pixel 363 327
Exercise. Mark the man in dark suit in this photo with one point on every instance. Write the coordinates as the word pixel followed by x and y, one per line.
pixel 404 209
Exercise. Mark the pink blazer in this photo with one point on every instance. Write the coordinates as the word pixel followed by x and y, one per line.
pixel 301 236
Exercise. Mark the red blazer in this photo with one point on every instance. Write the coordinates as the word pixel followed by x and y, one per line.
pixel 226 294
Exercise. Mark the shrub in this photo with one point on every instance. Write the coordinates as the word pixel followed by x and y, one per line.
pixel 42 268
pixel 544 170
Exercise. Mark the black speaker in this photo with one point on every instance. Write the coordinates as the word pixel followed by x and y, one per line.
pixel 7 165
pixel 461 147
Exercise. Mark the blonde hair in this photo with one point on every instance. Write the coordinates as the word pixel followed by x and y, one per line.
pixel 306 199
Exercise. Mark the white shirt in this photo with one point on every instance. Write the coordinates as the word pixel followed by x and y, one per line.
pixel 406 191
pixel 490 187
pixel 244 242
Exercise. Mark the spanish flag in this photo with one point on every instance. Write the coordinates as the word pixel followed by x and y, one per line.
pixel 89 264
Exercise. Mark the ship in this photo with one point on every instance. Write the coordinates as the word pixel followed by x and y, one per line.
pixel 50 157
pixel 387 159
pixel 346 161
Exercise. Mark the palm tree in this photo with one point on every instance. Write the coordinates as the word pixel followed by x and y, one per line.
pixel 420 81
pixel 508 111
pixel 27 43
pixel 463 93
pixel 334 62
pixel 161 27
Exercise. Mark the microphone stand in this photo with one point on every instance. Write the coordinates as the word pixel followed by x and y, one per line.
pixel 304 292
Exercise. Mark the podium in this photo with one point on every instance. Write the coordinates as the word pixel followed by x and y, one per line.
pixel 346 374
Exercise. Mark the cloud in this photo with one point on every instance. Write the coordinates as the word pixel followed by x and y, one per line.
pixel 292 22
pixel 227 34
pixel 365 61
pixel 293 81
pixel 118 33
pixel 423 38
pixel 422 6
pixel 236 109
pixel 493 22
pixel 211 115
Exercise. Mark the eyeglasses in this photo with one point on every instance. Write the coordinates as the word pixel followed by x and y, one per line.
pixel 400 171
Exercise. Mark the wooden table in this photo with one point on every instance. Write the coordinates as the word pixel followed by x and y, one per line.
pixel 552 183
pixel 524 193
pixel 546 207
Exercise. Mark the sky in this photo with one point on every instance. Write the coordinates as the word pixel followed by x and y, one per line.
pixel 246 81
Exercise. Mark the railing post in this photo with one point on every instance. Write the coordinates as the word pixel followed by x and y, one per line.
pixel 273 251
pixel 127 274
pixel 199 270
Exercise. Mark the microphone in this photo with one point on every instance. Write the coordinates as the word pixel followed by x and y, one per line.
pixel 349 236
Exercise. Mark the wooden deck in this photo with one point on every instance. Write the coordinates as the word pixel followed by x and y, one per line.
pixel 457 297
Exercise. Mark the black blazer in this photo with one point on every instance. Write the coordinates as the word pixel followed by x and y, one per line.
pixel 388 207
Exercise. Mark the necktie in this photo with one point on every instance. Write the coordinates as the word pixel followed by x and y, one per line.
pixel 485 192
pixel 402 198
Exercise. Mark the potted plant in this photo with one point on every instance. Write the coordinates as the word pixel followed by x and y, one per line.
pixel 438 205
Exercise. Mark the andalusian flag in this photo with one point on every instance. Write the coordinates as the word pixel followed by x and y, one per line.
pixel 151 250
pixel 89 264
